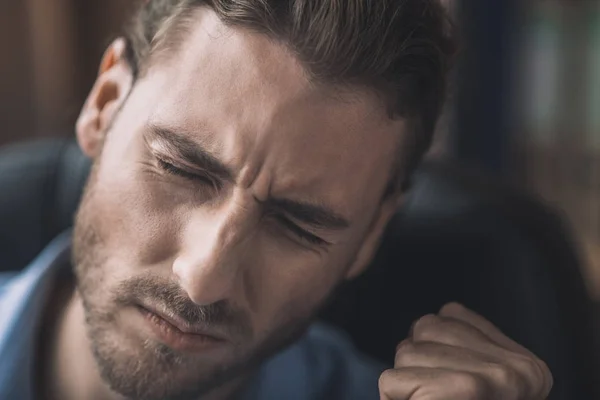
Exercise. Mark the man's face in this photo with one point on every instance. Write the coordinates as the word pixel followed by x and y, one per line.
pixel 230 197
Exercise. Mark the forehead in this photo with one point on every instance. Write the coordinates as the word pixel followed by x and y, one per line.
pixel 247 99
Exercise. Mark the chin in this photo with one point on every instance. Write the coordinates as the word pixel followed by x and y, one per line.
pixel 140 367
pixel 148 370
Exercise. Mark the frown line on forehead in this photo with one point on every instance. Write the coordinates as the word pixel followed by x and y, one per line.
pixel 179 146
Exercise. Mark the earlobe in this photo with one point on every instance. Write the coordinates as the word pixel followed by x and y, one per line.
pixel 387 210
pixel 115 80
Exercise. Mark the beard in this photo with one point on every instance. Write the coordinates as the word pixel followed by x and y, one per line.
pixel 146 369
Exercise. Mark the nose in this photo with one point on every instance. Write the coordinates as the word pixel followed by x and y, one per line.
pixel 209 261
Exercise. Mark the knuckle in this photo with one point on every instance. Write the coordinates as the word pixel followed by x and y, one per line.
pixel 547 378
pixel 504 375
pixel 527 364
pixel 426 327
pixel 529 367
pixel 536 374
pixel 452 309
pixel 403 344
pixel 507 379
pixel 385 380
pixel 472 387
pixel 405 354
pixel 544 367
pixel 432 328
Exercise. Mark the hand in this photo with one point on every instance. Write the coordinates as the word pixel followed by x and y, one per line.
pixel 458 355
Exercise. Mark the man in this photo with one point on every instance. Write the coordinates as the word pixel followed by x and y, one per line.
pixel 247 156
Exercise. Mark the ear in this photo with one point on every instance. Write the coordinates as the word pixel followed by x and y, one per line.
pixel 114 81
pixel 388 207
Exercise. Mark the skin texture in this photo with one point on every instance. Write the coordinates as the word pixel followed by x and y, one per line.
pixel 458 355
pixel 248 250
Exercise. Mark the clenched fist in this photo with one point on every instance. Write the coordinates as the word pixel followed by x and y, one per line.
pixel 458 355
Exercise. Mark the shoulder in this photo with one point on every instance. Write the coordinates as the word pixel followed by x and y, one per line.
pixel 7 299
pixel 345 373
pixel 5 279
pixel 322 365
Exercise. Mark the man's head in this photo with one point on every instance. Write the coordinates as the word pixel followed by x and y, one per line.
pixel 247 158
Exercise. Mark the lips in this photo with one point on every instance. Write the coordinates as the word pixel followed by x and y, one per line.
pixel 177 334
pixel 178 324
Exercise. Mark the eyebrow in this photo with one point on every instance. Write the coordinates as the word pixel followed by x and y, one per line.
pixel 317 216
pixel 191 152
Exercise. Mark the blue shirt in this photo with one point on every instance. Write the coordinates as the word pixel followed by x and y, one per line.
pixel 321 365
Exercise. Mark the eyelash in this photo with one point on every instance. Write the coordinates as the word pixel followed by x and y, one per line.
pixel 173 170
pixel 301 233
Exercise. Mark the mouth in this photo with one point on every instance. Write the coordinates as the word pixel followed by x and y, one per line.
pixel 177 334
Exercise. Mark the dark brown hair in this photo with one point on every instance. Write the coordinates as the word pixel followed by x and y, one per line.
pixel 400 48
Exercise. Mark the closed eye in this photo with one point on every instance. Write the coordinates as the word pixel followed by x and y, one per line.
pixel 301 233
pixel 173 170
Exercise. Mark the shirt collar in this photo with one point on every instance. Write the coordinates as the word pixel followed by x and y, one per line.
pixel 21 305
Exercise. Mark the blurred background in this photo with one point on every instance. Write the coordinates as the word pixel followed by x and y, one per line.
pixel 50 53
pixel 525 104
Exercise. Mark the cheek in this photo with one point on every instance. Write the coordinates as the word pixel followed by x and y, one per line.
pixel 136 221
pixel 284 286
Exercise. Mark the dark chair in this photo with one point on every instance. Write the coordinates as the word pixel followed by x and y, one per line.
pixel 460 237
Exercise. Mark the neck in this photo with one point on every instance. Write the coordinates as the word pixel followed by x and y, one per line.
pixel 68 368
